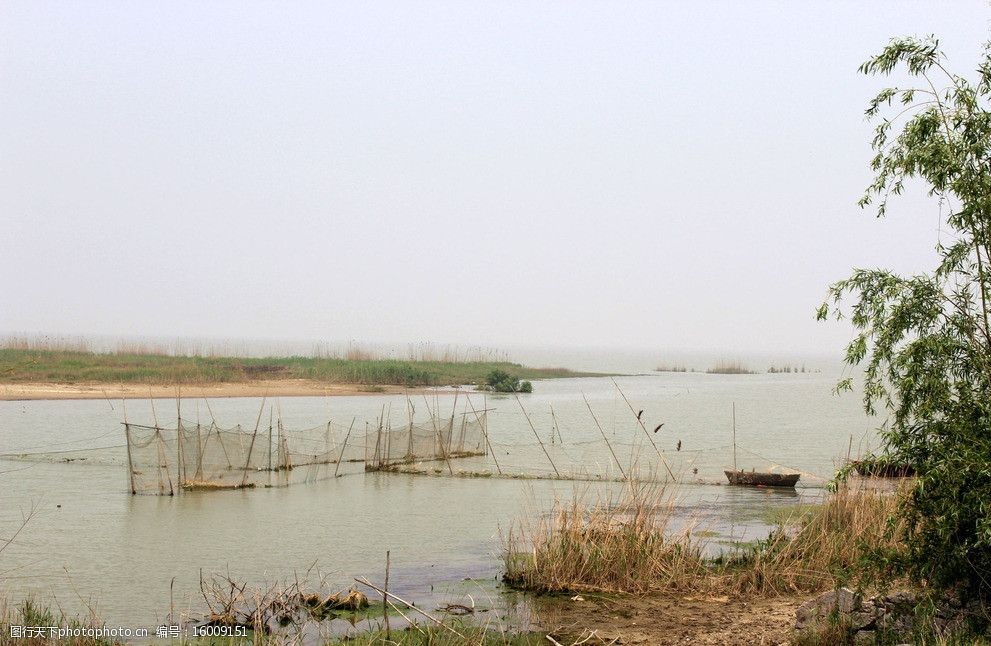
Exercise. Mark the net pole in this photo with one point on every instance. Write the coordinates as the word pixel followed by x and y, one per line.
pixel 269 438
pixel 344 446
pixel 734 436
pixel 180 462
pixel 409 412
pixel 440 439
pixel 251 447
pixel 645 431
pixel 485 434
pixel 537 435
pixel 130 460
pixel 450 426
pixel 603 433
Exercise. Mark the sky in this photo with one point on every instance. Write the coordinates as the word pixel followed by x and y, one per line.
pixel 664 175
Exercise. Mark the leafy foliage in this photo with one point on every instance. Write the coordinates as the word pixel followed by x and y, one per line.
pixel 503 382
pixel 925 339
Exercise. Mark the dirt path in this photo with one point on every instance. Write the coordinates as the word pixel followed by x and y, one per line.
pixel 671 619
pixel 273 388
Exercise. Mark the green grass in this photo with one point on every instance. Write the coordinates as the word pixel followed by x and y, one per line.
pixel 31 613
pixel 70 366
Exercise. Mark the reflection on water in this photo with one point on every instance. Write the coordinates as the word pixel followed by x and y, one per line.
pixel 93 543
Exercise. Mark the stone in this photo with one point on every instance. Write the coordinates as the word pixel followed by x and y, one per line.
pixel 842 600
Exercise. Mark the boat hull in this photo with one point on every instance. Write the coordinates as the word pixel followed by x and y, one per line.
pixel 761 479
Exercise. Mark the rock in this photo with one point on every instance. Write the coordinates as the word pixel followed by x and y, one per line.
pixel 842 601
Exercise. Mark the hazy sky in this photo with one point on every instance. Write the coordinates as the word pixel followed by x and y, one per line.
pixel 659 175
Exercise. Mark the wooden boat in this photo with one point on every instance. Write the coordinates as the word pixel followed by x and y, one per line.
pixel 761 478
pixel 757 478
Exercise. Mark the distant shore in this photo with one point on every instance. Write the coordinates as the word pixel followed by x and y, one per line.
pixel 61 374
pixel 278 388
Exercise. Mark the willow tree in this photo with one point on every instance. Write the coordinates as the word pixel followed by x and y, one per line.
pixel 924 341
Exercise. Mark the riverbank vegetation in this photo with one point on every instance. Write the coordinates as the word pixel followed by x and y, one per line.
pixel 924 341
pixel 113 368
pixel 627 546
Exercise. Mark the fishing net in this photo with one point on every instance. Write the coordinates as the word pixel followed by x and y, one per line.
pixel 196 456
pixel 611 445
pixel 439 440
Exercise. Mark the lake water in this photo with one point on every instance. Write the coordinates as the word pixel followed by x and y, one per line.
pixel 91 543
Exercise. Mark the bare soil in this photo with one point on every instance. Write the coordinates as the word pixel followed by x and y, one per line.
pixel 669 619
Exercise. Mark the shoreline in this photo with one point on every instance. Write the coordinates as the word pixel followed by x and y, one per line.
pixel 42 391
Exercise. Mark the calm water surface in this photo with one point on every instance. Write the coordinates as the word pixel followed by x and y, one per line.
pixel 92 544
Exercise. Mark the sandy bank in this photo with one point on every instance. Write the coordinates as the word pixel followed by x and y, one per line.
pixel 273 388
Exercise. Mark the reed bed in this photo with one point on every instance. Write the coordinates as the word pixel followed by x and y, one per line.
pixel 625 546
pixel 822 547
pixel 611 546
pixel 351 350
pixel 730 368
pixel 74 366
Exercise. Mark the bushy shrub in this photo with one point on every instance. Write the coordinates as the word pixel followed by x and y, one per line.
pixel 502 382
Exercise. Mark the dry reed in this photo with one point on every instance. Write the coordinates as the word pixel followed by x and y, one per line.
pixel 625 546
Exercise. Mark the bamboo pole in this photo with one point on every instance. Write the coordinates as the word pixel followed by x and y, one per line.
pixel 734 436
pixel 327 443
pixel 344 446
pixel 485 434
pixel 645 431
pixel 130 460
pixel 385 598
pixel 251 447
pixel 554 426
pixel 450 426
pixel 181 466
pixel 409 412
pixel 537 435
pixel 603 433
pixel 411 607
pixel 440 439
